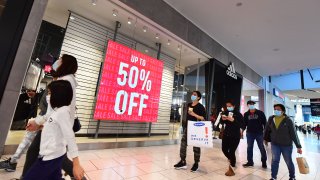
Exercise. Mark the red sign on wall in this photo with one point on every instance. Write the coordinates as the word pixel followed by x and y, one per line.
pixel 129 87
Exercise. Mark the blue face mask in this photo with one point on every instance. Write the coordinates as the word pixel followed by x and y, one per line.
pixel 230 108
pixel 251 107
pixel 193 98
pixel 277 113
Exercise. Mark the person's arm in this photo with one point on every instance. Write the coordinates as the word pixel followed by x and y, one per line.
pixel 267 132
pixel 263 119
pixel 68 134
pixel 294 136
pixel 245 121
pixel 201 114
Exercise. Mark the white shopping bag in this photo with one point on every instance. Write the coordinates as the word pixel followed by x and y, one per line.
pixel 200 134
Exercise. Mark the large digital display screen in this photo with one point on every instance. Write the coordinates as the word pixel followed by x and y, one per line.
pixel 130 85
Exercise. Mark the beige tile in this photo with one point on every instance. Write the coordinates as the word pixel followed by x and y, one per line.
pixel 153 176
pixel 175 174
pixel 105 174
pixel 129 171
pixel 105 163
pixel 143 158
pixel 88 166
pixel 126 160
pixel 149 167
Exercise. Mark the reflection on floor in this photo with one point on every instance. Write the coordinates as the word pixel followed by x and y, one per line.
pixel 15 137
pixel 156 162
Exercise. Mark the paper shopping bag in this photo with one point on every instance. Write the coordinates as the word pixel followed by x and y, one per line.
pixel 303 165
pixel 200 134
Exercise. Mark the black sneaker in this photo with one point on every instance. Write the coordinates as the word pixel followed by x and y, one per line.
pixel 6 165
pixel 195 167
pixel 292 178
pixel 181 165
pixel 264 165
pixel 247 165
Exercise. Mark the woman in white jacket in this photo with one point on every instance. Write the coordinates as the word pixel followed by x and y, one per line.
pixel 57 134
pixel 64 69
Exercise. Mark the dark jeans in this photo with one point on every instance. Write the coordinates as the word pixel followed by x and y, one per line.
pixel 251 137
pixel 183 148
pixel 33 154
pixel 49 170
pixel 286 152
pixel 229 147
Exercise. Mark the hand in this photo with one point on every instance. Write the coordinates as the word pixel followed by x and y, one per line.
pixel 230 118
pixel 32 125
pixel 224 117
pixel 31 94
pixel 299 150
pixel 78 171
pixel 191 113
pixel 265 142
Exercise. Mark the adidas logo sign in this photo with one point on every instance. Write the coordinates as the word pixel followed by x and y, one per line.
pixel 231 71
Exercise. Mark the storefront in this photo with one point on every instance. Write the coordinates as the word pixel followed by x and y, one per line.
pixel 88 29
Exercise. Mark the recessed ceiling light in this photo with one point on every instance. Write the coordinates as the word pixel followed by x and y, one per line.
pixel 157 36
pixel 114 13
pixel 72 18
pixel 169 42
pixel 239 4
pixel 276 49
pixel 146 50
pixel 129 21
pixel 94 2
pixel 145 28
pixel 179 47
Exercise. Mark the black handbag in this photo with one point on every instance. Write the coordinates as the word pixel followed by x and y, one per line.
pixel 76 125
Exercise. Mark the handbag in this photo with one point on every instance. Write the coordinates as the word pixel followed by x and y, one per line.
pixel 303 165
pixel 76 125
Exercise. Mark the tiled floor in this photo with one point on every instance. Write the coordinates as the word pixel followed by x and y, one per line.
pixel 156 162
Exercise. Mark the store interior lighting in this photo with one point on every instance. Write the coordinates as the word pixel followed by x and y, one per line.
pixel 114 13
pixel 169 42
pixel 71 18
pixel 94 2
pixel 157 36
pixel 145 28
pixel 129 21
pixel 179 47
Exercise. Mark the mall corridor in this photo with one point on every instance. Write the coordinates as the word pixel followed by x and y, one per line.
pixel 156 163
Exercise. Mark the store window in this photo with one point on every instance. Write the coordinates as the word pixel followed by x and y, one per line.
pixel 2 6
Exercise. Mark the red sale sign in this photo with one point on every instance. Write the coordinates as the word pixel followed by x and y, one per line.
pixel 129 87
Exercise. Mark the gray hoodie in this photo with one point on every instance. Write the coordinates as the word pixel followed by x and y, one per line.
pixel 284 135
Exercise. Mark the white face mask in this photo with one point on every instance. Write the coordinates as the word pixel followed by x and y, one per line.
pixel 56 65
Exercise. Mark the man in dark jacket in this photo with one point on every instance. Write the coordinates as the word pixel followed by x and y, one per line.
pixel 255 122
pixel 281 133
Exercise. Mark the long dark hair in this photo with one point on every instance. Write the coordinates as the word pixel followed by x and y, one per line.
pixel 69 65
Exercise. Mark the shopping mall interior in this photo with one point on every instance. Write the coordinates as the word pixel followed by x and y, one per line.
pixel 238 51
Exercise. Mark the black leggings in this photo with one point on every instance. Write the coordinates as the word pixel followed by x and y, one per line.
pixel 33 154
pixel 229 147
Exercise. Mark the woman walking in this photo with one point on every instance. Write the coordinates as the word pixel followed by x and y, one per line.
pixel 281 133
pixel 232 119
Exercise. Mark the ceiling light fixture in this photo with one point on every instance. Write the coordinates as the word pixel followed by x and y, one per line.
pixel 169 42
pixel 157 36
pixel 114 13
pixel 71 17
pixel 146 50
pixel 179 47
pixel 276 49
pixel 129 21
pixel 145 28
pixel 94 2
pixel 239 4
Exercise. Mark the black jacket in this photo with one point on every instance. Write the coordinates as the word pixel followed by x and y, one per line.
pixel 254 123
pixel 284 135
pixel 232 129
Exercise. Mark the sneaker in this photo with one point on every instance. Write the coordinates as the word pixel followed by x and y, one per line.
pixel 264 165
pixel 195 167
pixel 247 165
pixel 292 178
pixel 181 165
pixel 6 165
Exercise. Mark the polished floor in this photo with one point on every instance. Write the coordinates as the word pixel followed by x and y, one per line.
pixel 156 162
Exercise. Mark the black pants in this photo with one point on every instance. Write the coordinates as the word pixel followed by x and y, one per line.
pixel 229 147
pixel 33 154
pixel 183 148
